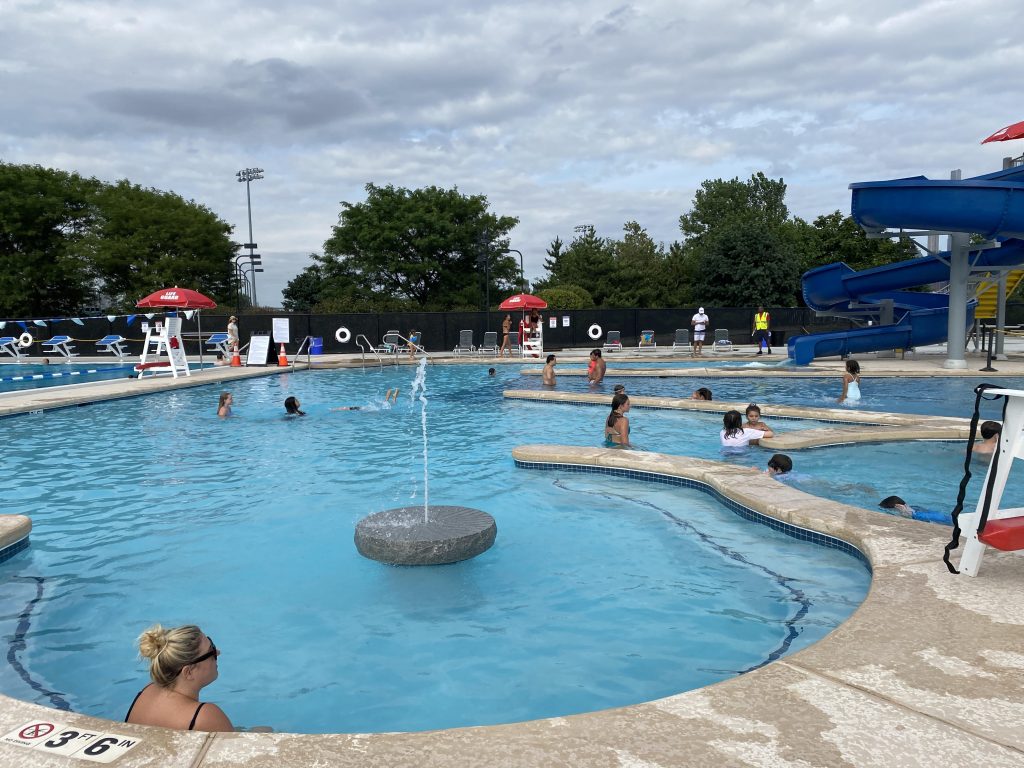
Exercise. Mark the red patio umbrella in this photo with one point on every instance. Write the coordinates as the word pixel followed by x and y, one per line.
pixel 1009 133
pixel 523 301
pixel 181 298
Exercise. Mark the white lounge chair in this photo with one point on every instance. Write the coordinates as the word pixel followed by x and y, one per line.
pixel 722 342
pixel 390 343
pixel 613 341
pixel 646 339
pixel 490 343
pixel 60 345
pixel 114 344
pixel 682 340
pixel 465 343
pixel 9 346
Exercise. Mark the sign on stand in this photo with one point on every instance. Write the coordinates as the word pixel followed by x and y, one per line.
pixel 56 739
pixel 259 348
pixel 282 333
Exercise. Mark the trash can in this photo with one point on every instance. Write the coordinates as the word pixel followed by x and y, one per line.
pixel 316 346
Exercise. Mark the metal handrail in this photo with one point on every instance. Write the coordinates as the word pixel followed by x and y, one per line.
pixel 413 344
pixel 309 360
pixel 362 350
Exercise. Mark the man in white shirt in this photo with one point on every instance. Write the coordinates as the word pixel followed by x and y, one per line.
pixel 700 323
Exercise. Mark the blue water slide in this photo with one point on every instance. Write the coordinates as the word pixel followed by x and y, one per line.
pixel 990 205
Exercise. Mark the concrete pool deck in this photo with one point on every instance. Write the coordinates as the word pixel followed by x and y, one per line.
pixel 928 670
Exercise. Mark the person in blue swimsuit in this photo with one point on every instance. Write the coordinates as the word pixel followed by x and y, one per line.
pixel 851 382
pixel 901 508
pixel 182 661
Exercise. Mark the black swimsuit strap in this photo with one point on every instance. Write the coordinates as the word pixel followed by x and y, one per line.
pixel 192 725
pixel 133 703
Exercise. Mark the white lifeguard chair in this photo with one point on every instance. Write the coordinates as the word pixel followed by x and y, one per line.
pixel 532 344
pixel 1002 529
pixel 164 339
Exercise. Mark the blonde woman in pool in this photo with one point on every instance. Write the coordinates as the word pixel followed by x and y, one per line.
pixel 182 661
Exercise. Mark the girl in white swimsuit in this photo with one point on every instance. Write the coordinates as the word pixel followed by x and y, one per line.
pixel 851 382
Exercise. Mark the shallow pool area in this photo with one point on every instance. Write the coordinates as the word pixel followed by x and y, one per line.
pixel 598 593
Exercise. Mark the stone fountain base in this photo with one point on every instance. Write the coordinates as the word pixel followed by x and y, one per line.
pixel 401 537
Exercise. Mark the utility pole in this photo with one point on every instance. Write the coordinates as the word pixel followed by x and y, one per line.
pixel 249 175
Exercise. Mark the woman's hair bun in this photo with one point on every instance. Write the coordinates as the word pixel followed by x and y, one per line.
pixel 152 641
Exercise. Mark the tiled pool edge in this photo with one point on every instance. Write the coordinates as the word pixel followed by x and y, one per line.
pixel 14 535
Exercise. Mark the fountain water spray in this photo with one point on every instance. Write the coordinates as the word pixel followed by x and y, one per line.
pixel 419 391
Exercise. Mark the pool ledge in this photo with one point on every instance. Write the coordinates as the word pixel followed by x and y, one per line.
pixel 929 669
pixel 14 531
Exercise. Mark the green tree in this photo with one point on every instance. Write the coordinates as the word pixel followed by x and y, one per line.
pixel 304 291
pixel 840 238
pixel 146 239
pixel 566 297
pixel 426 248
pixel 45 218
pixel 588 262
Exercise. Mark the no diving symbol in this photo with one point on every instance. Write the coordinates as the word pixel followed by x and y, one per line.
pixel 36 730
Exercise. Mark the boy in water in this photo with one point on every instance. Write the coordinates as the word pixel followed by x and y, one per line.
pixel 548 378
pixel 990 431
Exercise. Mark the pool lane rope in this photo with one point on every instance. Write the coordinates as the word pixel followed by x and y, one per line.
pixel 58 374
pixel 954 541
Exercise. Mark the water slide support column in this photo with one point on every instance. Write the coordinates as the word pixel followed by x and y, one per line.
pixel 959 243
pixel 1001 315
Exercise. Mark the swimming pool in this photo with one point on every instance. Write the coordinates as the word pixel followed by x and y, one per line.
pixel 18 377
pixel 597 593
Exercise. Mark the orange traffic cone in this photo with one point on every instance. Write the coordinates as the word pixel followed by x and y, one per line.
pixel 236 359
pixel 282 357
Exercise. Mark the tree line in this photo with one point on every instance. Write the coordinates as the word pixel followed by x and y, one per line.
pixel 70 245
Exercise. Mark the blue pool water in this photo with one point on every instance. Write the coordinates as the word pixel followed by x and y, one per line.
pixel 15 377
pixel 936 396
pixel 599 591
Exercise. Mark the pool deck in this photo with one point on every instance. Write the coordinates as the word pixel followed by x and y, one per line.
pixel 929 670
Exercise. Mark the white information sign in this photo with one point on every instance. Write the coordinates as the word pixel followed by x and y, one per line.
pixel 259 348
pixel 282 334
pixel 71 741
pixel 565 321
pixel 552 322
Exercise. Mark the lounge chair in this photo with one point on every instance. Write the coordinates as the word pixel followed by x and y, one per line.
pixel 218 342
pixel 60 345
pixel 9 346
pixel 513 343
pixel 613 341
pixel 722 342
pixel 114 344
pixel 465 343
pixel 390 343
pixel 682 340
pixel 414 340
pixel 490 343
pixel 647 339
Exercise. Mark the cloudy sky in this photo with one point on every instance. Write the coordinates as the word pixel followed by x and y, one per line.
pixel 561 113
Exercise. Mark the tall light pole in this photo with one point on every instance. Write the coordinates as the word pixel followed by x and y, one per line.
pixel 247 175
pixel 522 275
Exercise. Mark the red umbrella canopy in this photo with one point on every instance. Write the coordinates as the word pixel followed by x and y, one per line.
pixel 1010 132
pixel 523 301
pixel 178 298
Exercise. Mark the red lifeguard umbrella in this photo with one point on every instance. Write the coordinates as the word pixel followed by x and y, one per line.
pixel 181 298
pixel 178 298
pixel 1009 133
pixel 523 301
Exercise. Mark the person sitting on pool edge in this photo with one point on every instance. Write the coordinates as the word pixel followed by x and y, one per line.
pixel 182 661
pixel 701 394
pixel 616 426
pixel 291 406
pixel 990 431
pixel 733 435
pixel 224 405
pixel 901 508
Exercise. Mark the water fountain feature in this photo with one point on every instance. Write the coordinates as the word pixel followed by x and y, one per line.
pixel 429 535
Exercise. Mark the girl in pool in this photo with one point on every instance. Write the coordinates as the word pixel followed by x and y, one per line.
pixel 224 405
pixel 754 421
pixel 291 406
pixel 701 394
pixel 851 382
pixel 733 434
pixel 616 428
pixel 182 661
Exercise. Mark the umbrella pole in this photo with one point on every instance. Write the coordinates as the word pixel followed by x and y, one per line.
pixel 199 322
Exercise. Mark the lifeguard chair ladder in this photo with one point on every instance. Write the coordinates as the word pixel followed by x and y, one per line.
pixel 532 344
pixel 1003 529
pixel 167 340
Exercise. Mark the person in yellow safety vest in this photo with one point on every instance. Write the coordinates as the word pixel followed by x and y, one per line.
pixel 760 331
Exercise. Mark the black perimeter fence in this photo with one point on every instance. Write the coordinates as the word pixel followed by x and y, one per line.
pixel 440 330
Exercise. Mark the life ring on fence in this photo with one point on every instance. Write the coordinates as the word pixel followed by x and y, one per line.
pixel 594 332
pixel 343 335
pixel 25 340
